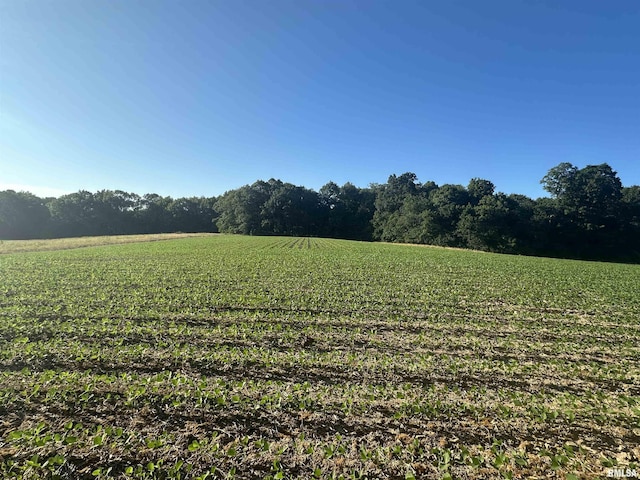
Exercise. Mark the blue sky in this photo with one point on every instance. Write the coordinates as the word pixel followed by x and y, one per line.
pixel 189 98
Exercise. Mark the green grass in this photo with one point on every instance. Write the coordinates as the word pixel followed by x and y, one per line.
pixel 268 357
pixel 21 246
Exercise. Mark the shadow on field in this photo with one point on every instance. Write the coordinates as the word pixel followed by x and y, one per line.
pixel 324 374
pixel 409 325
pixel 377 425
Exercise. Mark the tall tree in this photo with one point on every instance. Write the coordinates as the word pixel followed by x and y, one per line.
pixel 448 202
pixel 592 194
pixel 490 225
pixel 389 199
pixel 74 215
pixel 291 210
pixel 152 214
pixel 631 205
pixel 478 189
pixel 590 201
pixel 114 212
pixel 597 196
pixel 240 210
pixel 346 211
pixel 560 179
pixel 22 216
pixel 193 214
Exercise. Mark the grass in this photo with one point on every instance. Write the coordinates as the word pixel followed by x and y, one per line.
pixel 21 246
pixel 267 357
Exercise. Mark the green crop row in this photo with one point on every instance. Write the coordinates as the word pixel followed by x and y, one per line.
pixel 270 357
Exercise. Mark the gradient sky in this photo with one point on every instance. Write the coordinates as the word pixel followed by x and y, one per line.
pixel 190 98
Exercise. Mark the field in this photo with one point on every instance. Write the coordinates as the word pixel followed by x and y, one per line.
pixel 21 246
pixel 282 358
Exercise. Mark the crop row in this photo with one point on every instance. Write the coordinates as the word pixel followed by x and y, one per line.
pixel 246 357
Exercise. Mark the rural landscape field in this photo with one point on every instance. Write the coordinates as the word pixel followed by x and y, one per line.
pixel 297 358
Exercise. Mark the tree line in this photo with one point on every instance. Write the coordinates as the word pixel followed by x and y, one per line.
pixel 107 212
pixel 588 215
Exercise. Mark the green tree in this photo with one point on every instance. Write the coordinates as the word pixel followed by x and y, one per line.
pixel 478 189
pixel 74 215
pixel 597 196
pixel 240 210
pixel 193 214
pixel 591 195
pixel 152 214
pixel 22 216
pixel 630 231
pixel 389 199
pixel 114 212
pixel 290 210
pixel 589 201
pixel 447 202
pixel 560 180
pixel 631 205
pixel 346 211
pixel 490 225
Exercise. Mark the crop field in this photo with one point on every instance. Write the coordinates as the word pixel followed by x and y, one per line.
pixel 20 246
pixel 302 358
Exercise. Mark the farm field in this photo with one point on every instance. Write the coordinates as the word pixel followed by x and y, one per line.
pixel 286 358
pixel 21 246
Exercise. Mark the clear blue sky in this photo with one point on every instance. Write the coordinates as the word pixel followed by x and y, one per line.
pixel 189 98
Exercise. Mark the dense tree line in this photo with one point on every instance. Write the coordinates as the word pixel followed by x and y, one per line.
pixel 588 215
pixel 107 212
pixel 277 208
